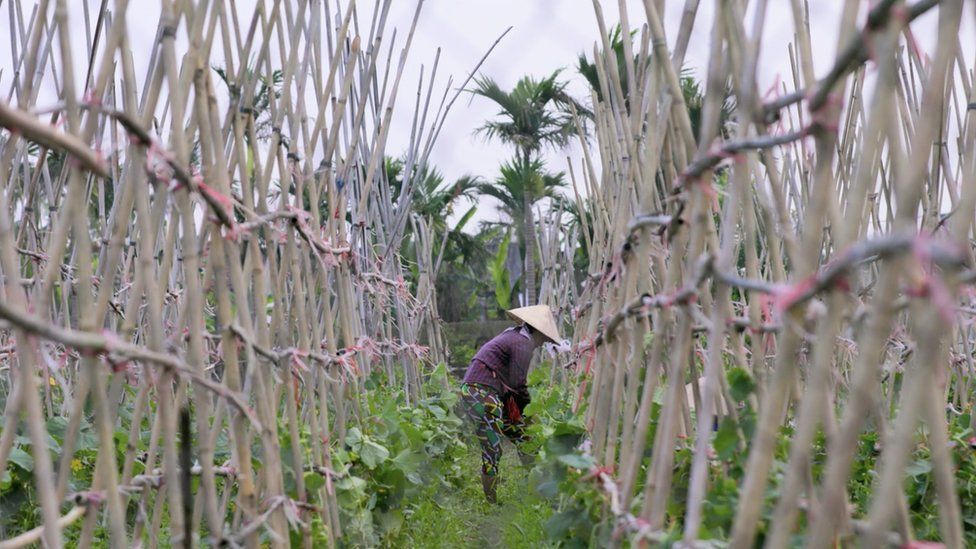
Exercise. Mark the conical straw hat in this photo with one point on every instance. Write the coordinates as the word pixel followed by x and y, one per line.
pixel 540 318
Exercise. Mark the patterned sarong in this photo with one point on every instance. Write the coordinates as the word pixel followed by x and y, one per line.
pixel 483 407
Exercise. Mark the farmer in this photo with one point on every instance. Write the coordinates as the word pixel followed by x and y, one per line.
pixel 494 391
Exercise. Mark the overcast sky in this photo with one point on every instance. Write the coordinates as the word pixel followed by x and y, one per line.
pixel 546 35
pixel 549 35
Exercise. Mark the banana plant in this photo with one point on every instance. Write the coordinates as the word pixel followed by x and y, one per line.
pixel 499 274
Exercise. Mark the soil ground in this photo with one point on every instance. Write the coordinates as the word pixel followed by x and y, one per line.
pixel 460 517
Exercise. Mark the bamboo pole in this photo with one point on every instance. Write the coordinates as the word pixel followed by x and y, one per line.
pixel 192 298
pixel 813 176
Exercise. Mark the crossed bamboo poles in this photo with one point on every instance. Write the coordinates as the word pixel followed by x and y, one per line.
pixel 840 226
pixel 780 203
pixel 223 272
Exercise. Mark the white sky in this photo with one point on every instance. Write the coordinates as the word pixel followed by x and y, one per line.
pixel 546 35
pixel 549 34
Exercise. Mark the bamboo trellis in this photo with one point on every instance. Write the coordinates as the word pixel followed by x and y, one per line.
pixel 820 241
pixel 217 253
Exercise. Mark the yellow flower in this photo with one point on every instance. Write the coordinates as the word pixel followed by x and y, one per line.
pixel 50 379
pixel 76 465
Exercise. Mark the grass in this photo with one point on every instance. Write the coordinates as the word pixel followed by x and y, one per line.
pixel 459 516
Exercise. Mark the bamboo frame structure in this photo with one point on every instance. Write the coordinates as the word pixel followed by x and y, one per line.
pixel 828 226
pixel 217 255
pixel 211 263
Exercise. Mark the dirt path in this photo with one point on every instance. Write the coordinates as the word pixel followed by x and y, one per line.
pixel 460 517
pixel 489 531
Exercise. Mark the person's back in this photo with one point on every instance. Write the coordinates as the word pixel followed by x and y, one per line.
pixel 503 362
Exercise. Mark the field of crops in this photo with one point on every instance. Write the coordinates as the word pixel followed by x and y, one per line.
pixel 232 315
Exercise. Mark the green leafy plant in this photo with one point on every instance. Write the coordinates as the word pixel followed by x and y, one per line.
pixel 499 274
pixel 391 458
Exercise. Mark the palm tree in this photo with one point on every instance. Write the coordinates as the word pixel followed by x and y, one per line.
pixel 267 90
pixel 514 182
pixel 533 115
pixel 589 72
pixel 690 88
pixel 518 188
pixel 431 199
pixel 466 255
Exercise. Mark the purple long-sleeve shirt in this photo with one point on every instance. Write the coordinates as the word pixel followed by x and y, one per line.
pixel 508 355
